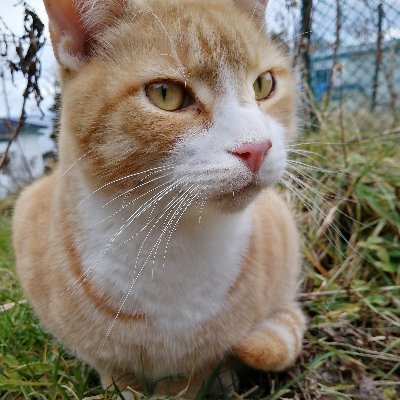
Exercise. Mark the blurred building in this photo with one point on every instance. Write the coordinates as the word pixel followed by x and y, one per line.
pixel 353 72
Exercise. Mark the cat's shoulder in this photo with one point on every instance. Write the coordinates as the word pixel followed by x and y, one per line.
pixel 32 205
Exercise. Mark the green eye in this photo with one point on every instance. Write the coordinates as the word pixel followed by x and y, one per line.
pixel 168 96
pixel 264 86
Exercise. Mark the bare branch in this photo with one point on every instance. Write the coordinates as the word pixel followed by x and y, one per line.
pixel 23 58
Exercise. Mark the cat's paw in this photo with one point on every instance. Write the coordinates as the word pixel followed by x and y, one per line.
pixel 275 344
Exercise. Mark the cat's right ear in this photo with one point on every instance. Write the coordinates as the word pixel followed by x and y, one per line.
pixel 74 24
pixel 68 34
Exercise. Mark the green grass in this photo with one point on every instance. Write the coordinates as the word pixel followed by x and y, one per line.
pixel 350 291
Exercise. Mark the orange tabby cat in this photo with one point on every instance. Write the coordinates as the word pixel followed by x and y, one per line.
pixel 153 250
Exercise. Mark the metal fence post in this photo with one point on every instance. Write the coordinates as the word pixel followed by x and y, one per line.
pixel 306 25
pixel 378 57
pixel 304 51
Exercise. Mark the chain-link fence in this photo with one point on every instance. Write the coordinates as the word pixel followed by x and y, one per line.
pixel 348 54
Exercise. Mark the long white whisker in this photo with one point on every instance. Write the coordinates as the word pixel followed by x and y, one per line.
pixel 107 185
pixel 140 184
pixel 108 248
pixel 303 199
pixel 133 283
pixel 311 189
pixel 312 167
pixel 175 227
pixel 74 164
pixel 168 185
pixel 125 205
pixel 167 207
pixel 169 222
pixel 334 226
pixel 301 173
pixel 307 154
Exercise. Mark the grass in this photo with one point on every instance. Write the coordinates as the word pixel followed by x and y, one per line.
pixel 350 290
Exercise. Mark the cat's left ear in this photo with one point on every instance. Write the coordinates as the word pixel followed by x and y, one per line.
pixel 255 8
pixel 74 25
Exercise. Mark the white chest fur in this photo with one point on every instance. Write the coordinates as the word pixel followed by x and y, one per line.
pixel 180 283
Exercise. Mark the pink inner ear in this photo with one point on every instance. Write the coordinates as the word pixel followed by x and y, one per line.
pixel 66 21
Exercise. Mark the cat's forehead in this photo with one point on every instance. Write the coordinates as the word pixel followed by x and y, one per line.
pixel 190 40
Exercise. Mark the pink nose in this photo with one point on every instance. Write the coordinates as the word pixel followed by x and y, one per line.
pixel 253 154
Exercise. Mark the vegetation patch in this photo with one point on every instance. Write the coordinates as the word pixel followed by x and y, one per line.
pixel 346 190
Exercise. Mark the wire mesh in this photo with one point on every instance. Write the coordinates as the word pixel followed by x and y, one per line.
pixel 348 55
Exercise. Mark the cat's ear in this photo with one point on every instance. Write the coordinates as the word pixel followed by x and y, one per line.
pixel 255 8
pixel 74 24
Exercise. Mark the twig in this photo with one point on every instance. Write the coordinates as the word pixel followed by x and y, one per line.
pixel 347 291
pixel 24 60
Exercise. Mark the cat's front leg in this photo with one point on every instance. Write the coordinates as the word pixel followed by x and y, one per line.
pixel 275 343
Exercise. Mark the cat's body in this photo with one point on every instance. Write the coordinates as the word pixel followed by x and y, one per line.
pixel 120 257
pixel 192 311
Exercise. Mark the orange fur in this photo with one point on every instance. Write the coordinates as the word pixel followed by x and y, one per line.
pixel 107 126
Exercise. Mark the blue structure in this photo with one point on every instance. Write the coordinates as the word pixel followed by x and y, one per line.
pixel 353 75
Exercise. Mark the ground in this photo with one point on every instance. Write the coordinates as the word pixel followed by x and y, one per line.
pixel 346 190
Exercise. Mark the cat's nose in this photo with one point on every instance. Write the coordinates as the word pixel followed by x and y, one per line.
pixel 253 154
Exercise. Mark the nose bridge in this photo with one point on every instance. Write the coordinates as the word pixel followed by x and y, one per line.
pixel 245 123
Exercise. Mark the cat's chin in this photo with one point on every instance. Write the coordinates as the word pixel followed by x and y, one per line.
pixel 237 200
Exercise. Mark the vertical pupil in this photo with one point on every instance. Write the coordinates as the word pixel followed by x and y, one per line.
pixel 164 91
pixel 259 83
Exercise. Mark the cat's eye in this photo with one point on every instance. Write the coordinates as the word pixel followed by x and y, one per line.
pixel 168 96
pixel 264 86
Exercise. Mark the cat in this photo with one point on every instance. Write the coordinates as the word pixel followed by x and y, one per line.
pixel 158 247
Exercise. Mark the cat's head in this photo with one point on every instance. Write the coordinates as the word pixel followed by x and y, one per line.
pixel 192 87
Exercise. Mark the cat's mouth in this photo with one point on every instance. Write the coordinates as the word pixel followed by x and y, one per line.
pixel 239 198
pixel 250 187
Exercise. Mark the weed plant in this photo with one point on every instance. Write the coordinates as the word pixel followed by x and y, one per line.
pixel 345 188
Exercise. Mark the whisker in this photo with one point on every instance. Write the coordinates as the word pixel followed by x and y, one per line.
pixel 139 185
pixel 123 207
pixel 311 189
pixel 307 154
pixel 74 164
pixel 82 279
pixel 174 229
pixel 181 68
pixel 170 221
pixel 327 197
pixel 169 184
pixel 312 167
pixel 333 225
pixel 168 206
pixel 301 173
pixel 304 199
pixel 130 220
pixel 132 285
pixel 163 168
